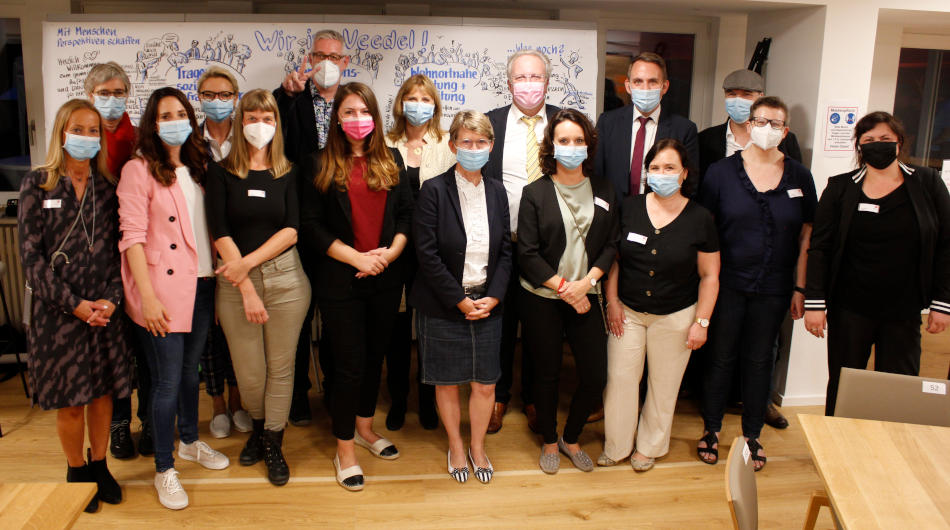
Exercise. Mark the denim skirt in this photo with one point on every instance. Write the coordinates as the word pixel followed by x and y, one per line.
pixel 454 352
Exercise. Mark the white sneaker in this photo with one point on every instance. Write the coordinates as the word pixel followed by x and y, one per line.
pixel 220 426
pixel 200 452
pixel 170 492
pixel 242 421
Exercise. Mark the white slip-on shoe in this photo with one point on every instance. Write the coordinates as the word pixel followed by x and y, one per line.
pixel 200 452
pixel 381 448
pixel 350 478
pixel 170 492
pixel 220 426
pixel 242 421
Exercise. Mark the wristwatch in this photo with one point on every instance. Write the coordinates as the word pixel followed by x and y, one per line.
pixel 593 282
pixel 703 322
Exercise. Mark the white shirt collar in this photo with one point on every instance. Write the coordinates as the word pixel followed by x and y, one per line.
pixel 517 114
pixel 208 137
pixel 654 116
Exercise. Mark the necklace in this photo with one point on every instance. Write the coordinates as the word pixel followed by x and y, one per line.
pixel 417 151
pixel 90 235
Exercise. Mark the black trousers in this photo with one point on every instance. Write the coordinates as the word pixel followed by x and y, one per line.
pixel 850 337
pixel 545 323
pixel 510 318
pixel 357 331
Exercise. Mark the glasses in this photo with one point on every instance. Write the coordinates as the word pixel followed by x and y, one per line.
pixel 208 95
pixel 112 93
pixel 537 78
pixel 761 122
pixel 318 57
pixel 473 145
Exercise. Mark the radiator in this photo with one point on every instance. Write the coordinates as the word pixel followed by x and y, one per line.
pixel 12 279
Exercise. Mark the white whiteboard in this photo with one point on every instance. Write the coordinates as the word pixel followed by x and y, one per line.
pixel 467 63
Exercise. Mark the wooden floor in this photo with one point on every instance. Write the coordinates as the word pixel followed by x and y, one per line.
pixel 415 491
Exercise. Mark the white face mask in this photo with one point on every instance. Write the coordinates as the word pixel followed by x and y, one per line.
pixel 766 137
pixel 327 75
pixel 259 134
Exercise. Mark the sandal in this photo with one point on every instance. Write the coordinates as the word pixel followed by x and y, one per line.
pixel 754 448
pixel 709 439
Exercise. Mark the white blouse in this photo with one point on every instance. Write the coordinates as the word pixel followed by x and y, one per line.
pixel 195 199
pixel 474 206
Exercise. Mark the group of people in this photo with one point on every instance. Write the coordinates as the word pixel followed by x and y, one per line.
pixel 151 251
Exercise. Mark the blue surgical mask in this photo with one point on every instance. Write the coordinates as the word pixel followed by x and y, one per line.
pixel 217 110
pixel 646 100
pixel 418 112
pixel 472 160
pixel 111 108
pixel 663 185
pixel 81 147
pixel 174 132
pixel 570 156
pixel 738 109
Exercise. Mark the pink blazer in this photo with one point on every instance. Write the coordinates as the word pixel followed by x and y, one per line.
pixel 157 217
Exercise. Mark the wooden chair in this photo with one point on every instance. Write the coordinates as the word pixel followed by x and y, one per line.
pixel 867 395
pixel 740 487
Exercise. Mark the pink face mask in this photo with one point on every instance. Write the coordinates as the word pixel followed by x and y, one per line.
pixel 528 94
pixel 358 128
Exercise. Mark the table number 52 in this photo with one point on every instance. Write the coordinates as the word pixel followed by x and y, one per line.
pixel 934 387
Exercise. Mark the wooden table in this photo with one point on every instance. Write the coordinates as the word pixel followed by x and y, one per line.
pixel 882 474
pixel 43 505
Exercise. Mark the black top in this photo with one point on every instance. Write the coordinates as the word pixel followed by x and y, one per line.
pixel 298 123
pixel 758 232
pixel 879 271
pixel 252 209
pixel 658 269
pixel 712 146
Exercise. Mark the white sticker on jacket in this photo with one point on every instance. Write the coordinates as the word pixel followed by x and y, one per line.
pixel 934 387
pixel 637 238
pixel 868 207
pixel 53 203
pixel 602 203
pixel 797 192
pixel 256 193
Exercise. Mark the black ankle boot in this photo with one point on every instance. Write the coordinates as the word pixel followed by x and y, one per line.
pixel 277 471
pixel 83 474
pixel 109 490
pixel 120 437
pixel 146 442
pixel 253 450
pixel 397 415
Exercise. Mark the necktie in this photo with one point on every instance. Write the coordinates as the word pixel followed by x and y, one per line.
pixel 532 164
pixel 636 163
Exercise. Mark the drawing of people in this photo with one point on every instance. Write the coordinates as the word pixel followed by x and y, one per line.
pixel 572 64
pixel 241 54
pixel 208 54
pixel 193 52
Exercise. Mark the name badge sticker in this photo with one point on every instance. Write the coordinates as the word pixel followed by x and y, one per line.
pixel 935 387
pixel 256 193
pixel 795 193
pixel 53 203
pixel 637 238
pixel 602 203
pixel 868 207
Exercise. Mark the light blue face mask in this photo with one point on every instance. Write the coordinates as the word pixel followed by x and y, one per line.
pixel 663 185
pixel 174 132
pixel 81 147
pixel 472 160
pixel 570 156
pixel 738 109
pixel 217 110
pixel 418 112
pixel 645 100
pixel 111 108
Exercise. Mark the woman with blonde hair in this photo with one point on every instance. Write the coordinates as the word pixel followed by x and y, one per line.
pixel 79 359
pixel 417 134
pixel 356 217
pixel 263 293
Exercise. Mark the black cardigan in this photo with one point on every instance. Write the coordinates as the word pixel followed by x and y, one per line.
pixel 931 202
pixel 542 238
pixel 326 217
pixel 440 240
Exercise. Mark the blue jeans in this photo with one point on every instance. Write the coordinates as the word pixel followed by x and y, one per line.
pixel 173 363
pixel 743 330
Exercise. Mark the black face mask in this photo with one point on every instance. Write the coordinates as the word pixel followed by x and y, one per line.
pixel 879 155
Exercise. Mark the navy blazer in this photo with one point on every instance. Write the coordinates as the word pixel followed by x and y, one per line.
pixel 712 146
pixel 298 124
pixel 440 239
pixel 615 136
pixel 499 123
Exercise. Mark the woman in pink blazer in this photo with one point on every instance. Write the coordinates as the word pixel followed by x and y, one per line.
pixel 168 275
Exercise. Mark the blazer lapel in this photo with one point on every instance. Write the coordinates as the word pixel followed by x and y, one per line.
pixel 344 199
pixel 453 190
pixel 662 127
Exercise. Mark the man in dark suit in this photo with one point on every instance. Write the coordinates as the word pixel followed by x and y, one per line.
pixel 626 134
pixel 519 129
pixel 305 101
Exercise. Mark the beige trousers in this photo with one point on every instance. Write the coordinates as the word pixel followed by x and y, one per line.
pixel 662 340
pixel 263 354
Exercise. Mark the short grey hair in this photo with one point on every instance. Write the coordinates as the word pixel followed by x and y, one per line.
pixel 104 72
pixel 329 34
pixel 527 51
pixel 474 121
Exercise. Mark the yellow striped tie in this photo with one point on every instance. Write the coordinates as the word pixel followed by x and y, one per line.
pixel 532 164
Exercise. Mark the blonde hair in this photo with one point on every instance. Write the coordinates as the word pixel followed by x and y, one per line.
pixel 104 72
pixel 399 119
pixel 218 72
pixel 238 160
pixel 474 121
pixel 55 165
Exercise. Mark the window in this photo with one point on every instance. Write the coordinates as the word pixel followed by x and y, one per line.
pixel 922 103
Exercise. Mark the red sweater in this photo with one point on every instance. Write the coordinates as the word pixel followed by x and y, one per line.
pixel 367 208
pixel 120 144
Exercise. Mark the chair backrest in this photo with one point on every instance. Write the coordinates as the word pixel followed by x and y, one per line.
pixel 867 395
pixel 740 486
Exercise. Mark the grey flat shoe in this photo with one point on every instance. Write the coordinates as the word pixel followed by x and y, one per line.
pixel 605 461
pixel 579 459
pixel 549 463
pixel 641 465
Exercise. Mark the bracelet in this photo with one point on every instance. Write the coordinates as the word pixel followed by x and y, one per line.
pixel 563 280
pixel 799 289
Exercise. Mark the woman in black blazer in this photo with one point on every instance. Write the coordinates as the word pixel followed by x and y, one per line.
pixel 356 218
pixel 567 240
pixel 463 245
pixel 880 252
